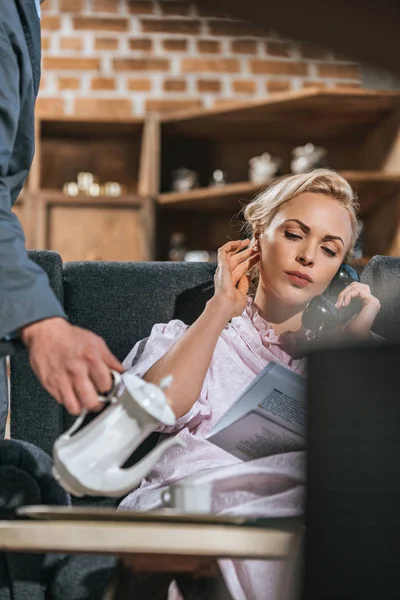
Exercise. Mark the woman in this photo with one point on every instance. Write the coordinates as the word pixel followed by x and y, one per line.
pixel 303 228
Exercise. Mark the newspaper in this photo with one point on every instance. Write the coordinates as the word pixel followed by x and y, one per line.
pixel 268 418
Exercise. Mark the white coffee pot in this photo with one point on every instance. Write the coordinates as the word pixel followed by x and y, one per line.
pixel 89 461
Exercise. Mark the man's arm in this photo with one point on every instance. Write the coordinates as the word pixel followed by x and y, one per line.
pixel 25 293
pixel 71 363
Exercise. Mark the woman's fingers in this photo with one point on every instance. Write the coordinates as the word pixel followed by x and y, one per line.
pixel 360 325
pixel 355 290
pixel 231 247
pixel 239 257
pixel 243 285
pixel 234 260
pixel 243 267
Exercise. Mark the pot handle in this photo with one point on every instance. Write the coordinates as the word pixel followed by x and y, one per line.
pixel 109 396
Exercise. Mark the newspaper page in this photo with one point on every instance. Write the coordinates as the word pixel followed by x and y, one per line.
pixel 268 418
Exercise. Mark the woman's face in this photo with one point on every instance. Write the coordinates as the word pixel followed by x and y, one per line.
pixel 303 247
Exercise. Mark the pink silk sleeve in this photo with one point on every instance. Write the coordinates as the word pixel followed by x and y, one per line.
pixel 148 351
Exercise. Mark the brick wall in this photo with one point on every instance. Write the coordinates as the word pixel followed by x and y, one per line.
pixel 126 57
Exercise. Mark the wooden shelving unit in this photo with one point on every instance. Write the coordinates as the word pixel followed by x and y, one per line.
pixel 85 227
pixel 211 198
pixel 360 129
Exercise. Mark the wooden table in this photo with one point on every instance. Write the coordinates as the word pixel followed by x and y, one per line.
pixel 185 552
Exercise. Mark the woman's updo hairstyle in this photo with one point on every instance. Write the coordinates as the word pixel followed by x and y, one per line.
pixel 259 213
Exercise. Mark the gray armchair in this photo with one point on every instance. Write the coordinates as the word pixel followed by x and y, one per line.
pixel 121 302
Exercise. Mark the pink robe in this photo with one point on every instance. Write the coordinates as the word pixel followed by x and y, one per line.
pixel 266 487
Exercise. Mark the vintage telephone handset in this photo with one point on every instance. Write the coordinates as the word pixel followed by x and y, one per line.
pixel 321 314
pixel 320 317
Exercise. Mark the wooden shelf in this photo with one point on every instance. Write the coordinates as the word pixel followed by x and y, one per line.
pixel 59 198
pixel 210 198
pixel 72 126
pixel 372 188
pixel 311 113
pixel 111 149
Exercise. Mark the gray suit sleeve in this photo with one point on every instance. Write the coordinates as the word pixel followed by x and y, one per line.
pixel 25 293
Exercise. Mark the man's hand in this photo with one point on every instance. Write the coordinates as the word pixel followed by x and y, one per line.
pixel 73 364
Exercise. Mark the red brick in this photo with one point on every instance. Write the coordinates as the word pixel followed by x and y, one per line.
pixel 244 86
pixel 227 102
pixel 46 7
pixel 45 42
pixel 71 43
pixel 314 84
pixel 236 29
pixel 69 83
pixel 209 85
pixel 244 46
pixel 174 85
pixel 312 51
pixel 101 23
pixel 277 67
pixel 140 7
pixel 139 85
pixel 49 107
pixel 142 44
pixel 175 7
pixel 110 6
pixel 171 105
pixel 50 22
pixel 103 43
pixel 190 26
pixel 70 5
pixel 175 45
pixel 278 85
pixel 141 64
pixel 339 71
pixel 103 107
pixel 43 83
pixel 217 65
pixel 76 64
pixel 103 83
pixel 283 49
pixel 208 46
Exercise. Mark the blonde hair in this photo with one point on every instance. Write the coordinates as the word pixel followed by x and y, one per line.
pixel 259 213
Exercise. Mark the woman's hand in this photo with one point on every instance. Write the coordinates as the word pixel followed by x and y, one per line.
pixel 231 281
pixel 360 326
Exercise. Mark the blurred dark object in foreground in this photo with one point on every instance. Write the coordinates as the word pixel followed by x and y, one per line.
pixel 366 31
pixel 353 497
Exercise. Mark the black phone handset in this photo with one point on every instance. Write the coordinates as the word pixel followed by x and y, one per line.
pixel 321 314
